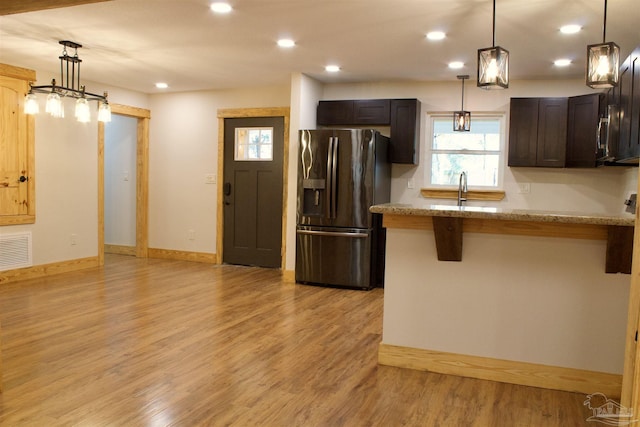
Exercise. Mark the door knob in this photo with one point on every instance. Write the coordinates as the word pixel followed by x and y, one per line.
pixel 23 178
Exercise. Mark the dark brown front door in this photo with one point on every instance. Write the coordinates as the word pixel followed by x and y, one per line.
pixel 252 191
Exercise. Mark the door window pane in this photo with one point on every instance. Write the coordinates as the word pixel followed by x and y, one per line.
pixel 253 144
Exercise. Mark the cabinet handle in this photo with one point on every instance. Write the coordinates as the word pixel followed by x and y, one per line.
pixel 599 133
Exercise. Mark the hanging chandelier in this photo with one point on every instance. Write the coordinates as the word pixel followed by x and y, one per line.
pixel 493 63
pixel 70 87
pixel 603 61
pixel 462 118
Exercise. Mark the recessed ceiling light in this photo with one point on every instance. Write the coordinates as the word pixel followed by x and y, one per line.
pixel 332 68
pixel 436 35
pixel 221 7
pixel 562 62
pixel 162 85
pixel 456 65
pixel 286 43
pixel 570 29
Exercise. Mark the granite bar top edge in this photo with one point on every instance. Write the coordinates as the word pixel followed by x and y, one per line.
pixel 503 214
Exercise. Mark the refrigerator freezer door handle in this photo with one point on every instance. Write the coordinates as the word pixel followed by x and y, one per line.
pixel 334 180
pixel 329 176
pixel 334 234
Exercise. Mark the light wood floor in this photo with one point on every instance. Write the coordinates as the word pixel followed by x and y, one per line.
pixel 156 342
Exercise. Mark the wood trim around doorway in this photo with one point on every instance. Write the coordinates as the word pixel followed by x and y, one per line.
pixel 234 113
pixel 142 179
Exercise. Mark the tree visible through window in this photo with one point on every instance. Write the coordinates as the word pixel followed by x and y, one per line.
pixel 478 152
pixel 254 144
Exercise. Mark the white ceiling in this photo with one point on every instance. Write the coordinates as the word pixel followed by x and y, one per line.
pixel 134 43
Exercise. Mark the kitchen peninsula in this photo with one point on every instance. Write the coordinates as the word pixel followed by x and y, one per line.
pixel 508 295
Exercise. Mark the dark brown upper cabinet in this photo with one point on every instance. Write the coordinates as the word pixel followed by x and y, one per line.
pixel 583 121
pixel 538 132
pixel 628 96
pixel 401 115
pixel 405 131
pixel 354 112
pixel 331 113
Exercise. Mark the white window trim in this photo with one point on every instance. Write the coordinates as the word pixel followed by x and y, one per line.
pixel 431 115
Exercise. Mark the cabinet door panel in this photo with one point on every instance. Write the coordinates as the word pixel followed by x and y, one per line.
pixel 584 115
pixel 371 112
pixel 552 132
pixel 635 105
pixel 523 131
pixel 405 131
pixel 625 87
pixel 335 113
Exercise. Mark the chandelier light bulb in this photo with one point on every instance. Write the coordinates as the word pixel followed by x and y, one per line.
pixel 54 105
pixel 104 112
pixel 83 113
pixel 31 104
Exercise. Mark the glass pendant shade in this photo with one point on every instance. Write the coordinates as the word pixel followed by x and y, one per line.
pixel 31 104
pixel 461 121
pixel 104 112
pixel 603 62
pixel 493 68
pixel 54 105
pixel 83 113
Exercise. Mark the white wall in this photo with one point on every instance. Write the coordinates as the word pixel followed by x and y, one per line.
pixel 305 94
pixel 183 149
pixel 601 190
pixel 120 151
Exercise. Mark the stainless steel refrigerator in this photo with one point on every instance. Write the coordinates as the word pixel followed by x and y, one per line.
pixel 341 173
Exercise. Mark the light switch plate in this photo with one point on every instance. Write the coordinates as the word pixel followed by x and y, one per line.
pixel 524 188
pixel 210 178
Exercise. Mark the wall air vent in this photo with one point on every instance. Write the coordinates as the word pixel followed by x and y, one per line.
pixel 15 250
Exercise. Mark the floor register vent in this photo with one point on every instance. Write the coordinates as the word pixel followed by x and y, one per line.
pixel 15 251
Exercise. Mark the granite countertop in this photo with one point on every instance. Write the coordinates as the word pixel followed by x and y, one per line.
pixel 503 214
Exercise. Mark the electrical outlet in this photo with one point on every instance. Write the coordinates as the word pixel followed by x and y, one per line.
pixel 410 183
pixel 524 188
pixel 73 239
pixel 210 178
pixel 191 235
pixel 125 176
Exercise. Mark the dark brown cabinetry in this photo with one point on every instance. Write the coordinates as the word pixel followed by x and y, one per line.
pixel 538 132
pixel 354 112
pixel 627 95
pixel 405 131
pixel 583 121
pixel 401 115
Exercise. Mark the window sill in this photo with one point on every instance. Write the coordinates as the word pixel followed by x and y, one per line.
pixel 441 193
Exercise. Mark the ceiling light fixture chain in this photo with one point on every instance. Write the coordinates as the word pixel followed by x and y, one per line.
pixel 493 63
pixel 69 87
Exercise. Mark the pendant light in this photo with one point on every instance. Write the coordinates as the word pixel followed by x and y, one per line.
pixel 603 61
pixel 462 119
pixel 69 87
pixel 493 63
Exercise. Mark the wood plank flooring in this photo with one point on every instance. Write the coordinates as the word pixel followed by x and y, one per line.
pixel 157 343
